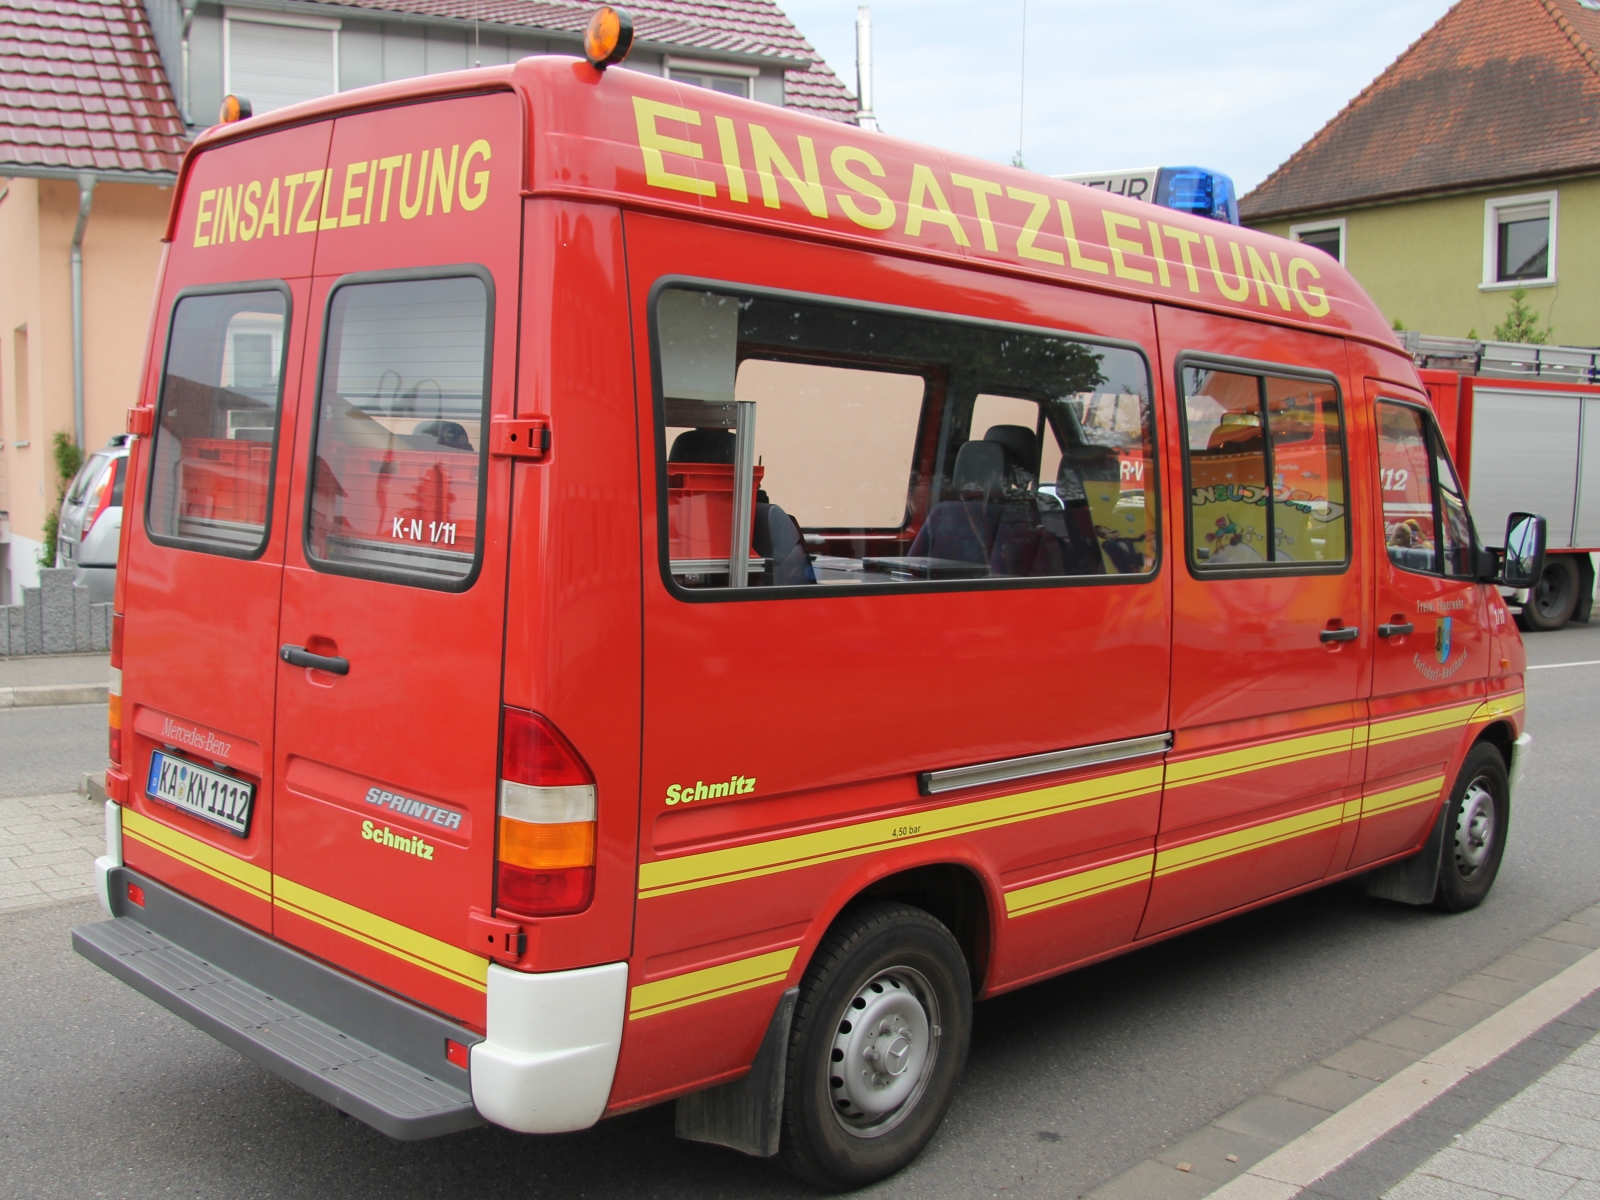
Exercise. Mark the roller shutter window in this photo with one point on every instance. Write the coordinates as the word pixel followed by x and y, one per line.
pixel 275 65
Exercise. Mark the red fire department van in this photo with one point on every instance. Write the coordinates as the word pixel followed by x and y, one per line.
pixel 635 595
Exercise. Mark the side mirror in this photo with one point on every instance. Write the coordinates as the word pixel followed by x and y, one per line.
pixel 1524 561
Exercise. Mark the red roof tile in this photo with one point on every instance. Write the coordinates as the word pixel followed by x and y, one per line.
pixel 1496 91
pixel 755 27
pixel 82 88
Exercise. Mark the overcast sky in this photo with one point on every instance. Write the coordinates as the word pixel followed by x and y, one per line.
pixel 1236 85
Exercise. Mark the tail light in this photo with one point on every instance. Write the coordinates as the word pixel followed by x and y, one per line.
pixel 102 497
pixel 546 821
pixel 114 711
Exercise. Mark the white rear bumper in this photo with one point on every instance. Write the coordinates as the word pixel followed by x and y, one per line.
pixel 547 1063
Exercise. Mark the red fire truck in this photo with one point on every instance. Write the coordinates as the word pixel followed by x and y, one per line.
pixel 634 595
pixel 1517 419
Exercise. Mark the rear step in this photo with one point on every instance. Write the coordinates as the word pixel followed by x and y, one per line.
pixel 285 1011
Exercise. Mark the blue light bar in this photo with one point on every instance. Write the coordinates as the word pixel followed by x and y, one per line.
pixel 1197 190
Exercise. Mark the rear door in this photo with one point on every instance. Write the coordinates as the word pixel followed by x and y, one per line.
pixel 206 546
pixel 1270 642
pixel 1431 656
pixel 395 580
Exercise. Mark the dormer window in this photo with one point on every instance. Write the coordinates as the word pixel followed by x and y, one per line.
pixel 727 78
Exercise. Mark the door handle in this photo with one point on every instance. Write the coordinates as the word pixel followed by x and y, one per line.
pixel 1345 633
pixel 1397 630
pixel 299 656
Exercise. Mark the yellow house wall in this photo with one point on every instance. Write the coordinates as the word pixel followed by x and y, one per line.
pixel 121 259
pixel 1422 262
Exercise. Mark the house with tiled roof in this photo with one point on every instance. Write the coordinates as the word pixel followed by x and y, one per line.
pixel 99 98
pixel 1469 168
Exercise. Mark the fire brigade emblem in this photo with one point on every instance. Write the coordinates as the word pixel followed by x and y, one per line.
pixel 1441 640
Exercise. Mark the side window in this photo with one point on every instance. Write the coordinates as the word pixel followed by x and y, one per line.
pixel 395 484
pixel 1425 521
pixel 1265 457
pixel 217 426
pixel 867 448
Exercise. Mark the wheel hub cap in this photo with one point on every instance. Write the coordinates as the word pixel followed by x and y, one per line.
pixel 882 1051
pixel 1475 829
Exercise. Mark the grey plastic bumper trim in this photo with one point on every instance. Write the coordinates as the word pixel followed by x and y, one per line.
pixel 366 1052
pixel 931 783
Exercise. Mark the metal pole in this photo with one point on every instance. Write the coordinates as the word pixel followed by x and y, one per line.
pixel 188 20
pixel 86 183
pixel 744 484
pixel 864 115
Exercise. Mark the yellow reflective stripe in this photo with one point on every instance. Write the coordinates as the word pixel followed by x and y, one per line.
pixel 441 958
pixel 694 987
pixel 202 856
pixel 1256 758
pixel 1240 841
pixel 808 849
pixel 1500 706
pixel 1423 791
pixel 1078 886
pixel 1400 728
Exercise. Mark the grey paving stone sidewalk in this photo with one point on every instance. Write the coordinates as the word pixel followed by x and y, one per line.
pixel 47 848
pixel 1543 1144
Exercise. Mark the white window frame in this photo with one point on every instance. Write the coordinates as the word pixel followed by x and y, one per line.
pixel 257 17
pixel 701 66
pixel 1319 226
pixel 1491 241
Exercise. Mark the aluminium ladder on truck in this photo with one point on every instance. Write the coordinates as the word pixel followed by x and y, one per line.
pixel 1523 426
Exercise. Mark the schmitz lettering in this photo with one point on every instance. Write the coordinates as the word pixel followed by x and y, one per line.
pixel 684 793
pixel 437 814
pixel 396 841
pixel 171 731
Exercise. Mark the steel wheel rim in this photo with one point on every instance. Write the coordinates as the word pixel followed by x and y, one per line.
pixel 1476 828
pixel 884 1048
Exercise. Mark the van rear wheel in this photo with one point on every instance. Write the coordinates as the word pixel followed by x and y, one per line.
pixel 1552 601
pixel 879 1038
pixel 1475 829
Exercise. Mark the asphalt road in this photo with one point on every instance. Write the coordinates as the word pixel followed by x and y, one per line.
pixel 45 750
pixel 104 1094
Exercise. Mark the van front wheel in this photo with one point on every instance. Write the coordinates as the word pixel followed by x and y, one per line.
pixel 879 1038
pixel 1475 826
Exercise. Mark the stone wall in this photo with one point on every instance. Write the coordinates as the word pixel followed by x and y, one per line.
pixel 55 618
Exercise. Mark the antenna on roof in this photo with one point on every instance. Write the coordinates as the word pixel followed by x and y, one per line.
pixel 864 114
pixel 1022 86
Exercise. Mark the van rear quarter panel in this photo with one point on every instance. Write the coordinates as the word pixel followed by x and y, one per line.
pixel 834 703
pixel 572 613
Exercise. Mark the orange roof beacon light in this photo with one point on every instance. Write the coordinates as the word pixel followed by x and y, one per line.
pixel 609 37
pixel 234 108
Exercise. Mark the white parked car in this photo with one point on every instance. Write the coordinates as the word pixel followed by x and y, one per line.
pixel 91 519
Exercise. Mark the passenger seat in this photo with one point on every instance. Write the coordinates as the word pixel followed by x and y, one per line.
pixel 963 530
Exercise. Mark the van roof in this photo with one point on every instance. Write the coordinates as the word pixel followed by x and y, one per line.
pixel 644 142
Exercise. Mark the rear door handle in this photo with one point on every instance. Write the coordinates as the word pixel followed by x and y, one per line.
pixel 299 656
pixel 1346 633
pixel 1399 630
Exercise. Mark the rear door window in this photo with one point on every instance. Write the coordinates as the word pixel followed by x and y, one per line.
pixel 401 421
pixel 217 426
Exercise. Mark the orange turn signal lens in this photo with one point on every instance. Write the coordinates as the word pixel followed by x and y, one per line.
pixel 546 847
pixel 234 108
pixel 609 36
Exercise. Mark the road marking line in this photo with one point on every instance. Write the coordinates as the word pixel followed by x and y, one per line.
pixel 1588 662
pixel 1327 1146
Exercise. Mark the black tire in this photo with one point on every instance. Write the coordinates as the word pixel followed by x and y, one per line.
pixel 834 1136
pixel 1553 600
pixel 1476 823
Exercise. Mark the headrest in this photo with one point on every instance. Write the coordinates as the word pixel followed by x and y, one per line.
pixel 702 446
pixel 1020 444
pixel 979 469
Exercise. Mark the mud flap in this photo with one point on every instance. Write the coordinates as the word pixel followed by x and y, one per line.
pixel 747 1114
pixel 1413 880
